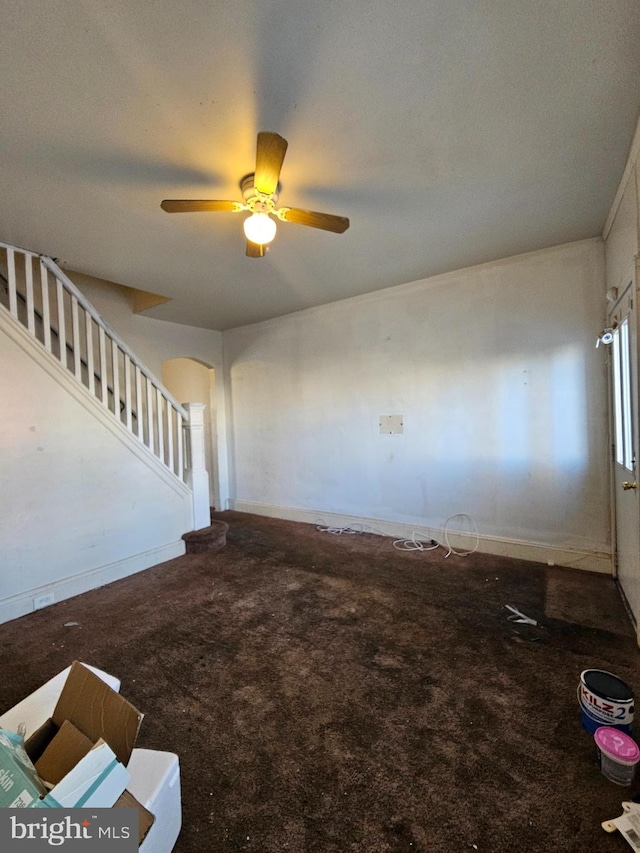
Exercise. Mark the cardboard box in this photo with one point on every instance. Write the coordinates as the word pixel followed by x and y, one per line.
pixel 95 710
pixel 96 781
pixel 62 754
pixel 88 714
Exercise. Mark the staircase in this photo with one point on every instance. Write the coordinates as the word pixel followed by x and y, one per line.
pixel 103 470
pixel 46 302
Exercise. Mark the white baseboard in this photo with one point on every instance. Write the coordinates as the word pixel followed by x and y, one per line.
pixel 20 605
pixel 555 555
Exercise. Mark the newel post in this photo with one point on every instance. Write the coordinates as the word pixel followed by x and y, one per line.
pixel 196 476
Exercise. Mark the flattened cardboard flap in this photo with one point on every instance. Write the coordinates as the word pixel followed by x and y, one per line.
pixel 98 711
pixel 97 781
pixel 62 754
pixel 145 818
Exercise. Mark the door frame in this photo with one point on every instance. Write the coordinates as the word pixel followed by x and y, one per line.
pixel 631 284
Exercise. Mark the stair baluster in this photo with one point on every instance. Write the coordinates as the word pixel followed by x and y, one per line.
pixel 102 363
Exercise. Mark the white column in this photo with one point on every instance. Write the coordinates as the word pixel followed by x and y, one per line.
pixel 224 432
pixel 196 476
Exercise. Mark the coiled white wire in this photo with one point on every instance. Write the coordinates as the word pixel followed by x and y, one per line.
pixel 339 531
pixel 414 543
pixel 445 531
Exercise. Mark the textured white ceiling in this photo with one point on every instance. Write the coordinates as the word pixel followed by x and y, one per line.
pixel 450 132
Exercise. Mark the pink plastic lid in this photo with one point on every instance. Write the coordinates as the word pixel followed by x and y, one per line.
pixel 617 744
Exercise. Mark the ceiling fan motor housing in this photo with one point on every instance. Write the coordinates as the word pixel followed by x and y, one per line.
pixel 256 201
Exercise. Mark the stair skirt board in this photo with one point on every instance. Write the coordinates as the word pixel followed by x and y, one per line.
pixel 25 602
pixel 33 348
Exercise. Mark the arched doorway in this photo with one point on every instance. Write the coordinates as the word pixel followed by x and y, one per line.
pixel 193 381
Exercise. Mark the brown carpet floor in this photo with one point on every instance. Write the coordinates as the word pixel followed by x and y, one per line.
pixel 330 694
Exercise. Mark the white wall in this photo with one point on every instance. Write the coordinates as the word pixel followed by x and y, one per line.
pixel 153 341
pixel 503 395
pixel 81 502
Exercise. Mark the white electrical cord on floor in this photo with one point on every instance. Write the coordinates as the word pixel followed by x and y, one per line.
pixel 445 531
pixel 339 531
pixel 414 543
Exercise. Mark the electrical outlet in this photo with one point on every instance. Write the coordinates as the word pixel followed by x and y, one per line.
pixel 43 600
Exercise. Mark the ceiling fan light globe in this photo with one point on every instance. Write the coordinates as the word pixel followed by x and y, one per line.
pixel 260 228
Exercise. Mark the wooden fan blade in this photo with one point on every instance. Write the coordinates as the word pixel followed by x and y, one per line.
pixel 269 158
pixel 172 205
pixel 255 250
pixel 325 221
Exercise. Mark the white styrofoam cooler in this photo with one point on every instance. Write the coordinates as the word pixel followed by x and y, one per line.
pixel 155 782
pixel 155 775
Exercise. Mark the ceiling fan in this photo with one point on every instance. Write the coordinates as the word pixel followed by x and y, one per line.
pixel 260 190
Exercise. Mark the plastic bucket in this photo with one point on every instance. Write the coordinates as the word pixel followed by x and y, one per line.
pixel 605 700
pixel 618 755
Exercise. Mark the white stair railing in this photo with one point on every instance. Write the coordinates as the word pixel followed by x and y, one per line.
pixel 48 304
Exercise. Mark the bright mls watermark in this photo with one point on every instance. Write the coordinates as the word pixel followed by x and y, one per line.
pixel 69 830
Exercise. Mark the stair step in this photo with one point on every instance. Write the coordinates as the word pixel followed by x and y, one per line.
pixel 211 538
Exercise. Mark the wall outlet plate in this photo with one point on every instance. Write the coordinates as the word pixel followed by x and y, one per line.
pixel 43 600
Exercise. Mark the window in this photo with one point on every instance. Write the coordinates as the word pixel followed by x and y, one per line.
pixel 622 396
